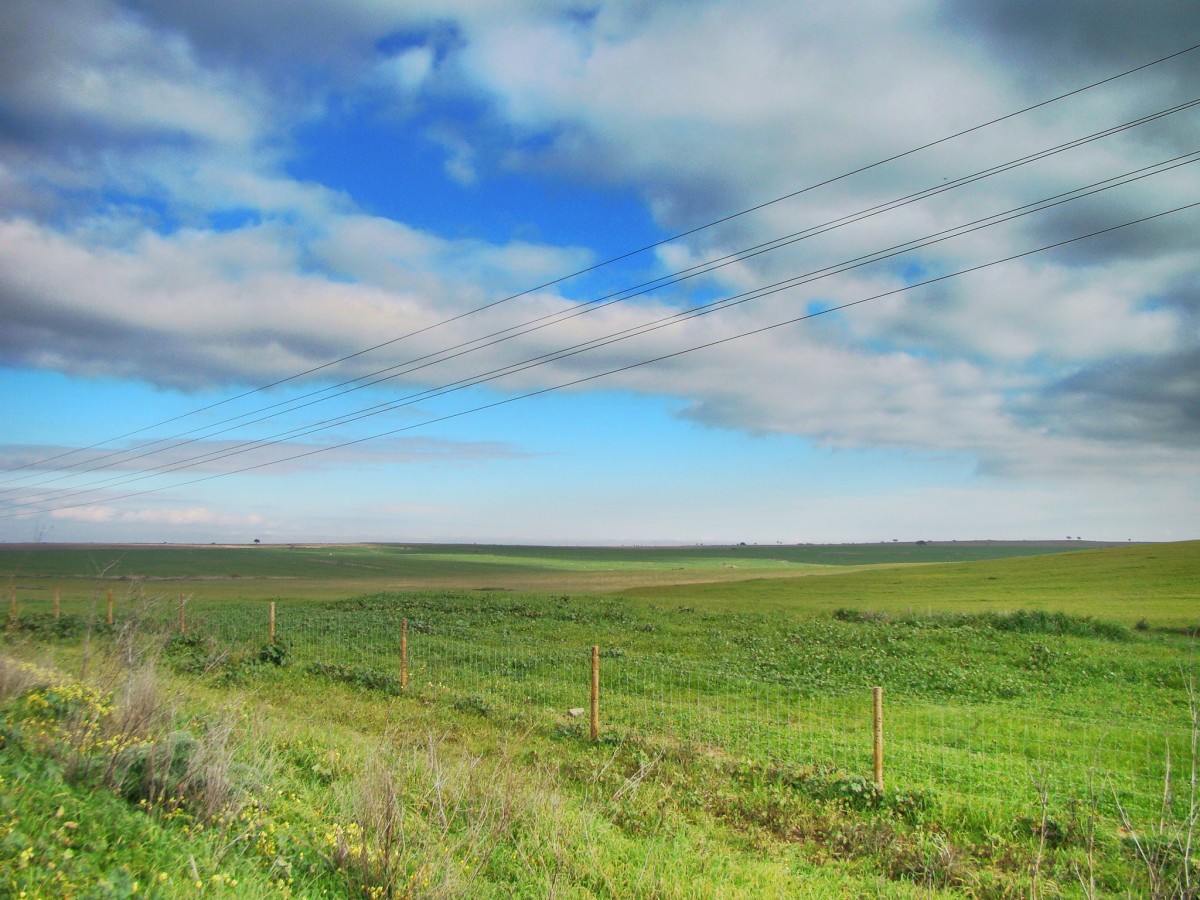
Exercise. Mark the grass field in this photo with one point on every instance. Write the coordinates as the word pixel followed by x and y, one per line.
pixel 331 571
pixel 1037 703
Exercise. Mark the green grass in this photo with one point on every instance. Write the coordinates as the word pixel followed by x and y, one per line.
pixel 330 571
pixel 1156 582
pixel 424 560
pixel 481 811
pixel 1031 708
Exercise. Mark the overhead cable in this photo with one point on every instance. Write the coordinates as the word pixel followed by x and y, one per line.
pixel 408 367
pixel 625 368
pixel 623 256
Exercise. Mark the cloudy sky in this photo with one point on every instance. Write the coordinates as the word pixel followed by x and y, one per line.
pixel 209 211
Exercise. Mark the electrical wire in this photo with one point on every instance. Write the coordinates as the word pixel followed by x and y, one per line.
pixel 630 366
pixel 705 309
pixel 122 457
pixel 624 256
pixel 595 343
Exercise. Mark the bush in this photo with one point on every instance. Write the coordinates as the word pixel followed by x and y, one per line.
pixel 1022 621
pixel 847 614
pixel 276 654
pixel 474 703
pixel 44 625
pixel 120 739
pixel 154 771
pixel 1037 621
pixel 360 676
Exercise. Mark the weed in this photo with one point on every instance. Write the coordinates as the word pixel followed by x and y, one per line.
pixel 474 703
pixel 428 823
pixel 1167 847
pixel 359 676
pixel 275 654
pixel 846 614
pixel 45 626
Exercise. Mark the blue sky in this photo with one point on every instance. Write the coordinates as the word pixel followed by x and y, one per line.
pixel 197 200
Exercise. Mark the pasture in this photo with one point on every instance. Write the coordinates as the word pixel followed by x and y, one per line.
pixel 320 571
pixel 1038 702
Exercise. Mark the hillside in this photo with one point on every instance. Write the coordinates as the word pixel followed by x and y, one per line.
pixel 1156 582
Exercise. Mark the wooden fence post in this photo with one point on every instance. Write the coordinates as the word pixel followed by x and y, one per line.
pixel 595 729
pixel 182 624
pixel 271 625
pixel 109 617
pixel 403 654
pixel 878 692
pixel 57 604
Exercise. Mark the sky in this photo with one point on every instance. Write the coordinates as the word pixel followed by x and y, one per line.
pixel 599 272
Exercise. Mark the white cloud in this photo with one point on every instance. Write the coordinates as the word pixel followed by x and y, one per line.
pixel 110 515
pixel 699 108
pixel 201 307
pixel 407 70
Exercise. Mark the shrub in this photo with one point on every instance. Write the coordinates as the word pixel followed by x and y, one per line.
pixel 44 625
pixel 120 739
pixel 360 676
pixel 847 614
pixel 276 654
pixel 1037 621
pixel 474 703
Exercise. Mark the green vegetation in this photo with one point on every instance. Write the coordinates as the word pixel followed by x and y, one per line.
pixel 334 571
pixel 1035 709
pixel 1155 582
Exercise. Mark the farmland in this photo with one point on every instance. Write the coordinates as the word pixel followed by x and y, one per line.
pixel 319 571
pixel 1037 702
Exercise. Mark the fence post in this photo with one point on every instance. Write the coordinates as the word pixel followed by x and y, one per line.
pixel 878 692
pixel 182 625
pixel 109 617
pixel 403 654
pixel 271 625
pixel 595 729
pixel 56 604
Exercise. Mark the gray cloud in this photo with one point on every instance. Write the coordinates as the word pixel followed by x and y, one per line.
pixel 92 76
pixel 1089 37
pixel 1131 400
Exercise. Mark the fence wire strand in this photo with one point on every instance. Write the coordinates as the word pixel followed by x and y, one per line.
pixel 962 751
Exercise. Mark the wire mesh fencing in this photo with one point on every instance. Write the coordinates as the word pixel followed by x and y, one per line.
pixel 1124 766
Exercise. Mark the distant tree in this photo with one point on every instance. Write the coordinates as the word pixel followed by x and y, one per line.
pixel 257 541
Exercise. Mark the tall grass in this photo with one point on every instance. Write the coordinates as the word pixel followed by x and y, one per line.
pixel 978 707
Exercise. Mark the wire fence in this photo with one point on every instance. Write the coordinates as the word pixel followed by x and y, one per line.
pixel 1123 766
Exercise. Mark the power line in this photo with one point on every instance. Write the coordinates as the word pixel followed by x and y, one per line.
pixel 631 366
pixel 756 294
pixel 705 309
pixel 623 256
pixel 530 326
